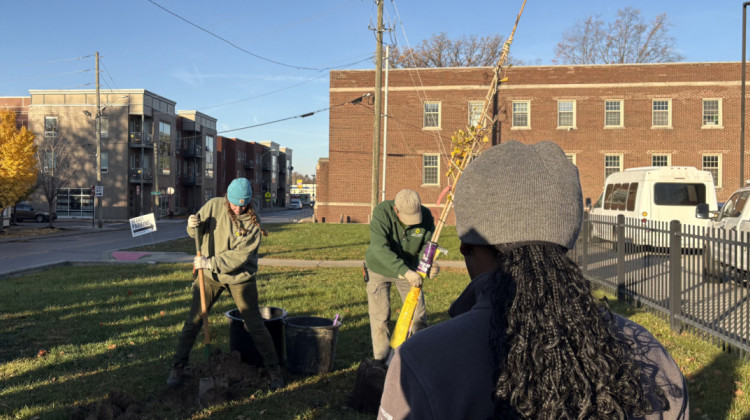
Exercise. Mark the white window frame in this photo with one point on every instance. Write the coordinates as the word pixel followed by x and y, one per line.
pixel 620 113
pixel 50 133
pixel 104 127
pixel 608 166
pixel 571 157
pixel 475 112
pixel 572 111
pixel 717 178
pixel 655 112
pixel 436 167
pixel 105 162
pixel 527 113
pixel 431 113
pixel 208 157
pixel 720 116
pixel 661 155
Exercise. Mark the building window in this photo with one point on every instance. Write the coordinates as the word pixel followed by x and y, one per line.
pixel 612 164
pixel 164 152
pixel 50 127
pixel 209 157
pixel 105 162
pixel 521 114
pixel 661 113
pixel 430 169
pixel 661 160
pixel 571 157
pixel 431 115
pixel 613 113
pixel 566 114
pixel 712 164
pixel 238 174
pixel 104 127
pixel 475 112
pixel 712 113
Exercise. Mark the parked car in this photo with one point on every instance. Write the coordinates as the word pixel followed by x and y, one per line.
pixel 295 203
pixel 730 224
pixel 25 211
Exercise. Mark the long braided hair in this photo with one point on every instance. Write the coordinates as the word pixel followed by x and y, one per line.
pixel 253 218
pixel 557 354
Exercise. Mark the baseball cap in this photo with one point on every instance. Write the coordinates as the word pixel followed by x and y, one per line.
pixel 409 207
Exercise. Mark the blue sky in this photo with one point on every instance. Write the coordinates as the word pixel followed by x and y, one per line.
pixel 51 44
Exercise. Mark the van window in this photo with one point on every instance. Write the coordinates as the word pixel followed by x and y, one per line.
pixel 631 196
pixel 608 197
pixel 619 197
pixel 734 206
pixel 598 203
pixel 679 194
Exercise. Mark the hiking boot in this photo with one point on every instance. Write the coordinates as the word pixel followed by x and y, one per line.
pixel 176 376
pixel 276 376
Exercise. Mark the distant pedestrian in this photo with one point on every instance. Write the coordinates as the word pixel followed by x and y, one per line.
pixel 231 235
pixel 526 338
pixel 399 230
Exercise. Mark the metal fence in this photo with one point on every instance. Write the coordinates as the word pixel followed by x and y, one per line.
pixel 695 277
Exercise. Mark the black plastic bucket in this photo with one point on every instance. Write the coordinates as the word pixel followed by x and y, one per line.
pixel 310 344
pixel 240 340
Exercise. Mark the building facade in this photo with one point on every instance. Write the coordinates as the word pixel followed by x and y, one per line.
pixel 153 158
pixel 606 118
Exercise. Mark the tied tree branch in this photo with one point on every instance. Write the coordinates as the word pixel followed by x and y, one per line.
pixel 55 171
pixel 441 51
pixel 629 39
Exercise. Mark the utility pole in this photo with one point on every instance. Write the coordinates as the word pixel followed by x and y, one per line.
pixel 98 145
pixel 742 96
pixel 385 122
pixel 378 83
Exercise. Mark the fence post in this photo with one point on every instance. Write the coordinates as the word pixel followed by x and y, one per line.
pixel 585 251
pixel 620 257
pixel 675 277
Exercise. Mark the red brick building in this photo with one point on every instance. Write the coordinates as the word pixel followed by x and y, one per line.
pixel 606 117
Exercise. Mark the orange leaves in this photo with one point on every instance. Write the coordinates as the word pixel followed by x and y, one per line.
pixel 17 160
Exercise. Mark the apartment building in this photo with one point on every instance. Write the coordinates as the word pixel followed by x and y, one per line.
pixel 153 158
pixel 605 117
pixel 265 164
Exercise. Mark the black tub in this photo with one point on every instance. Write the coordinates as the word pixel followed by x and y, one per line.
pixel 240 340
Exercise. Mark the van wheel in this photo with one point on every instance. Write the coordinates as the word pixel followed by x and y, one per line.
pixel 710 266
pixel 39 218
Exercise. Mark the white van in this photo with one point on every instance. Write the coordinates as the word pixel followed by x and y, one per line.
pixel 731 223
pixel 653 194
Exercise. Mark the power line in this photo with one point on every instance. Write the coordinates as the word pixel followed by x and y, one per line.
pixel 263 94
pixel 305 115
pixel 249 52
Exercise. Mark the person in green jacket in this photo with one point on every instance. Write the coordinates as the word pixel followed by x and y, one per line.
pixel 230 235
pixel 399 231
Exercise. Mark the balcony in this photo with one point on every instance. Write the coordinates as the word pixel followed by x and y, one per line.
pixel 193 151
pixel 192 180
pixel 249 164
pixel 139 139
pixel 137 175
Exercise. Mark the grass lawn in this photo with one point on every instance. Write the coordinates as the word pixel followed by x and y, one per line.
pixel 72 335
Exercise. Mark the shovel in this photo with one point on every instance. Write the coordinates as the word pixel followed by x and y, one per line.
pixel 206 385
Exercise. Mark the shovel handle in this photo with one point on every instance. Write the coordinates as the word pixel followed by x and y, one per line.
pixel 202 287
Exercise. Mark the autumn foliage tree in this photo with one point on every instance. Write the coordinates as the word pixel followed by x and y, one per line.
pixel 18 165
pixel 441 51
pixel 629 39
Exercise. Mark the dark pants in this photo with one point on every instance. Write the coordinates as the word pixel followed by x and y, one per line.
pixel 245 295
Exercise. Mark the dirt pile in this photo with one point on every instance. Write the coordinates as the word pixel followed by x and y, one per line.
pixel 231 379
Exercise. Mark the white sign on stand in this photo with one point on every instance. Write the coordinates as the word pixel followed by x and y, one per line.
pixel 142 225
pixel 99 191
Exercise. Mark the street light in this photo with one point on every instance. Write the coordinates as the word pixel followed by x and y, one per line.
pixel 98 129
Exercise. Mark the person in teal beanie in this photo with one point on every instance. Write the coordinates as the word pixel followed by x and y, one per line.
pixel 230 235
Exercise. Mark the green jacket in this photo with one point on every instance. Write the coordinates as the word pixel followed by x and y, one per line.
pixel 395 248
pixel 234 258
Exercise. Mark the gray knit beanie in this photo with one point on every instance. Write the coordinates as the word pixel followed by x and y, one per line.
pixel 514 192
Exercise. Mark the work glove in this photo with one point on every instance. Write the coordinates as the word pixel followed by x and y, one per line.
pixel 193 221
pixel 201 263
pixel 414 279
pixel 434 270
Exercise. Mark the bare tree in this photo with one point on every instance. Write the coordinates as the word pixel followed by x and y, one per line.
pixel 441 51
pixel 55 171
pixel 629 39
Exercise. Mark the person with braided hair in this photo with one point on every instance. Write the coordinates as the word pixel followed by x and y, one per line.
pixel 230 233
pixel 526 339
